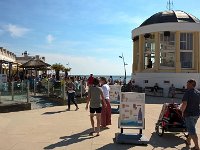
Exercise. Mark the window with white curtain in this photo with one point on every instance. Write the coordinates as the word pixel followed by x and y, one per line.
pixel 167 50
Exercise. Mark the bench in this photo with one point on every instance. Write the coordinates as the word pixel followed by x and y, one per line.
pixel 179 92
pixel 150 91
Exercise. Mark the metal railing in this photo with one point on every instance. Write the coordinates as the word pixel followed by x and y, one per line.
pixel 14 91
pixel 21 91
pixel 55 89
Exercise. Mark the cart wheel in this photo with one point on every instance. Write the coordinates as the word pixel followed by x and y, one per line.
pixel 159 129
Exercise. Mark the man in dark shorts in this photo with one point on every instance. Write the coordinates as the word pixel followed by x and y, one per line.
pixel 190 109
pixel 95 98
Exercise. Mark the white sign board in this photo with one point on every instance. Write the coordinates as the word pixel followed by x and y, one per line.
pixel 132 110
pixel 115 93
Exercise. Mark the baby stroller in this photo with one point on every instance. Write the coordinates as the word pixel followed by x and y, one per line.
pixel 170 120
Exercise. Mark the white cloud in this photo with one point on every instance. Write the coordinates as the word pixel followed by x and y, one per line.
pixel 50 38
pixel 16 31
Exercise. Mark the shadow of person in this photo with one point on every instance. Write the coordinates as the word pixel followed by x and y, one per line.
pixel 168 140
pixel 71 139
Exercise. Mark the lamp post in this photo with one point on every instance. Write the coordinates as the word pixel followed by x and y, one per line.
pixel 69 68
pixel 122 57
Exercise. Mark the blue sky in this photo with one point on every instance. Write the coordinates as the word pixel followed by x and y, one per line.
pixel 88 34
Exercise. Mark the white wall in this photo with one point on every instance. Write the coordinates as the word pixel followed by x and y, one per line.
pixel 177 26
pixel 178 79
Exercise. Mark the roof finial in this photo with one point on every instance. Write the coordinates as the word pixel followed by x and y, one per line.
pixel 170 4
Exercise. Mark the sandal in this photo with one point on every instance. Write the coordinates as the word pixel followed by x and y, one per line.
pixel 187 143
pixel 91 133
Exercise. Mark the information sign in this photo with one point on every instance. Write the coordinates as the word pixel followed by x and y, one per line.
pixel 115 93
pixel 132 110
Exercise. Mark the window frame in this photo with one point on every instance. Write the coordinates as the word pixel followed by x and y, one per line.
pixel 188 44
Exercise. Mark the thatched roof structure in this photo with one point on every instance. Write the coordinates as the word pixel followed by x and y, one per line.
pixel 35 64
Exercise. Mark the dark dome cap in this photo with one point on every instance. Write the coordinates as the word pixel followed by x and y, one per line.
pixel 170 16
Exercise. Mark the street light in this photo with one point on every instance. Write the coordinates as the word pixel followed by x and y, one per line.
pixel 69 68
pixel 122 57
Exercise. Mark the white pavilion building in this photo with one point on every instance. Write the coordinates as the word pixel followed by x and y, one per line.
pixel 166 50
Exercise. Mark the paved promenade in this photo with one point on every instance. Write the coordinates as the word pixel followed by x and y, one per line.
pixel 56 128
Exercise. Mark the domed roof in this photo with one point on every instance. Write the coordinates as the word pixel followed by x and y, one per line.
pixel 170 16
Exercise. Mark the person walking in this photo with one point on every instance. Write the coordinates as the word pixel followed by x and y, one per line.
pixel 190 110
pixel 172 91
pixel 71 93
pixel 111 81
pixel 96 99
pixel 90 80
pixel 106 111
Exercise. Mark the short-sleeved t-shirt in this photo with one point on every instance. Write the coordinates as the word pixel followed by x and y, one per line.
pixel 192 97
pixel 106 90
pixel 94 93
pixel 71 86
pixel 90 80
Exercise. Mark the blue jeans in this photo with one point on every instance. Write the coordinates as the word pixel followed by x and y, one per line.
pixel 190 122
pixel 71 97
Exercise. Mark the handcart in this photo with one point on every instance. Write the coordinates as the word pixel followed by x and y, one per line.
pixel 170 120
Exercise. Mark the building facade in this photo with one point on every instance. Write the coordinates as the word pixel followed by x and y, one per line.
pixel 25 58
pixel 7 61
pixel 166 50
pixel 10 63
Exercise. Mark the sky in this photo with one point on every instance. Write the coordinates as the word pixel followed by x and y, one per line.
pixel 85 35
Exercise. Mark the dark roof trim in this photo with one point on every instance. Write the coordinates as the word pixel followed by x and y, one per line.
pixel 170 16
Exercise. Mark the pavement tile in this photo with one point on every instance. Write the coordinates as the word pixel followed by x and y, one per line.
pixel 7 142
pixel 32 146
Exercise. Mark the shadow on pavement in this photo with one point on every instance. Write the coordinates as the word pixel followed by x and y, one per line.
pixel 114 146
pixel 117 146
pixel 68 140
pixel 53 112
pixel 168 140
pixel 160 100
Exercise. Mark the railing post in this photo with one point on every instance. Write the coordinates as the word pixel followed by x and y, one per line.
pixel 0 96
pixel 64 93
pixel 81 88
pixel 61 90
pixel 48 88
pixel 12 90
pixel 34 87
pixel 28 84
pixel 22 84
